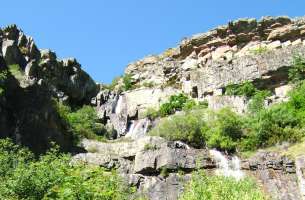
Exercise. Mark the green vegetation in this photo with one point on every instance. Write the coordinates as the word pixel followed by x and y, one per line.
pixel 259 50
pixel 297 71
pixel 82 122
pixel 203 187
pixel 16 71
pixel 185 127
pixel 128 82
pixel 260 128
pixel 245 89
pixel 148 147
pixel 3 78
pixel 53 177
pixel 149 84
pixel 222 130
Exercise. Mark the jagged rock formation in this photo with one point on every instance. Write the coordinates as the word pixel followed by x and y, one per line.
pixel 160 169
pixel 34 77
pixel 201 67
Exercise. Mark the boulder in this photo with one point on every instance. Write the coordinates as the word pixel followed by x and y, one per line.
pixel 284 33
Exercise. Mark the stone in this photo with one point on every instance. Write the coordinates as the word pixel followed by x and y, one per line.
pixel 283 91
pixel 297 42
pixel 286 44
pixel 220 52
pixel 274 45
pixel 284 33
pixel 11 53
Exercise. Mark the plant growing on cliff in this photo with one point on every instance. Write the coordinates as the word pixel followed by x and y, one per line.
pixel 3 78
pixel 83 121
pixel 203 187
pixel 245 89
pixel 53 177
pixel 175 103
pixel 223 130
pixel 297 71
pixel 128 82
pixel 185 127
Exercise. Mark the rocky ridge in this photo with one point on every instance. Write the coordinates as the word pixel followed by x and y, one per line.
pixel 201 67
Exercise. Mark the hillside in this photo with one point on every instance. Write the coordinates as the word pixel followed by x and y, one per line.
pixel 220 114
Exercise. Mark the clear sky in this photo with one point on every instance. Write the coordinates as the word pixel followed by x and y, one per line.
pixel 106 35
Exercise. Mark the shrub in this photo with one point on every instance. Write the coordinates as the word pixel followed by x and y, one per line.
pixel 202 187
pixel 149 84
pixel 257 101
pixel 259 50
pixel 176 102
pixel 3 78
pixel 223 130
pixel 151 113
pixel 53 177
pixel 185 127
pixel 83 122
pixel 245 89
pixel 128 82
pixel 297 71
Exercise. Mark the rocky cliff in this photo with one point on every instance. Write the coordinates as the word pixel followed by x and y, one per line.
pixel 31 78
pixel 202 67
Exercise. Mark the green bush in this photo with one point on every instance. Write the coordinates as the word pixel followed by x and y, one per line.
pixel 297 71
pixel 176 103
pixel 83 122
pixel 245 89
pixel 128 82
pixel 53 177
pixel 257 101
pixel 202 187
pixel 185 127
pixel 223 130
pixel 3 78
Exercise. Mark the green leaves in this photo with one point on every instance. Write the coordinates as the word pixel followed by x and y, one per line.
pixel 53 177
pixel 203 187
pixel 297 71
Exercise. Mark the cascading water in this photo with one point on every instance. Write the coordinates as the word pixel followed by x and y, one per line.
pixel 138 128
pixel 118 107
pixel 227 167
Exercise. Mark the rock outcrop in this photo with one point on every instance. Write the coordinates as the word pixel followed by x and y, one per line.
pixel 30 79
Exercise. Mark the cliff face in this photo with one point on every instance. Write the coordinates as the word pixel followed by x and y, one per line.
pixel 202 66
pixel 32 78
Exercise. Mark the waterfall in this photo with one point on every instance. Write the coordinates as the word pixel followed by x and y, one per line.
pixel 227 167
pixel 138 128
pixel 118 107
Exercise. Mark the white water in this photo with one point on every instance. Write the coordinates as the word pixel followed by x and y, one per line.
pixel 138 128
pixel 118 107
pixel 227 167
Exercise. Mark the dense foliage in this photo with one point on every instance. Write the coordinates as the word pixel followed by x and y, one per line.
pixel 82 122
pixel 128 82
pixel 185 127
pixel 297 71
pixel 225 130
pixel 53 177
pixel 203 187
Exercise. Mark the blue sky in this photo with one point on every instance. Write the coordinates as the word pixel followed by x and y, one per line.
pixel 107 35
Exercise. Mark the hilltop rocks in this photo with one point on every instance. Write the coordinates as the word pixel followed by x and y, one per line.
pixel 34 78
